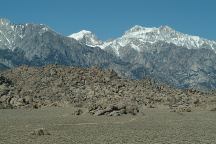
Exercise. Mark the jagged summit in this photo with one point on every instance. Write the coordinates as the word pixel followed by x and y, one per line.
pixel 142 29
pixel 87 37
pixel 80 35
pixel 11 35
pixel 4 21
pixel 166 28
pixel 138 28
pixel 138 36
pixel 161 52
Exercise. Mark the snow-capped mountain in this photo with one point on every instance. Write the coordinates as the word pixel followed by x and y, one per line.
pixel 38 45
pixel 161 53
pixel 11 35
pixel 138 37
pixel 167 55
pixel 87 37
pixel 165 34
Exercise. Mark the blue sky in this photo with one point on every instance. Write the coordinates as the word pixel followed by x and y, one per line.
pixel 110 18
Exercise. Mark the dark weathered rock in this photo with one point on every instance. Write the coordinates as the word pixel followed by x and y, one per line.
pixel 132 109
pixel 181 108
pixel 40 132
pixel 213 109
pixel 99 112
pixel 115 113
pixel 78 112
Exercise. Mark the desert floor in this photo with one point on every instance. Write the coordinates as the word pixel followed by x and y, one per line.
pixel 155 126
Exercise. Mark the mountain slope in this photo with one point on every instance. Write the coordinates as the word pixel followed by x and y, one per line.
pixel 162 53
pixel 139 38
pixel 167 55
pixel 38 45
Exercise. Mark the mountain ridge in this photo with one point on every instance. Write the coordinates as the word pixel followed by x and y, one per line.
pixel 150 35
pixel 140 52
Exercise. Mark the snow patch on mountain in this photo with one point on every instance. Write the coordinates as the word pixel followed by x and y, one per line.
pixel 4 21
pixel 138 36
pixel 165 34
pixel 11 35
pixel 87 38
pixel 80 35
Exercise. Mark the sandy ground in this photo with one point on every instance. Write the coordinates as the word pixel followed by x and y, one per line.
pixel 156 127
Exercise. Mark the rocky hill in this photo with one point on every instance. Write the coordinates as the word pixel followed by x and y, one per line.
pixel 99 91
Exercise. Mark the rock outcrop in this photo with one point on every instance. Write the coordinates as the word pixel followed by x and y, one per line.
pixel 102 92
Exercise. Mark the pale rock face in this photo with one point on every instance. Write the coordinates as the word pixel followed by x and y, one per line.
pixel 38 45
pixel 12 34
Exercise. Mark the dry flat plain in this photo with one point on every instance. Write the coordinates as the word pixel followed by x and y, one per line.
pixel 156 127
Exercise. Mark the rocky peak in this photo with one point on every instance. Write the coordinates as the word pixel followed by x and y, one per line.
pixel 87 38
pixel 11 35
pixel 137 30
pixel 138 36
pixel 165 28
pixel 80 35
pixel 4 21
